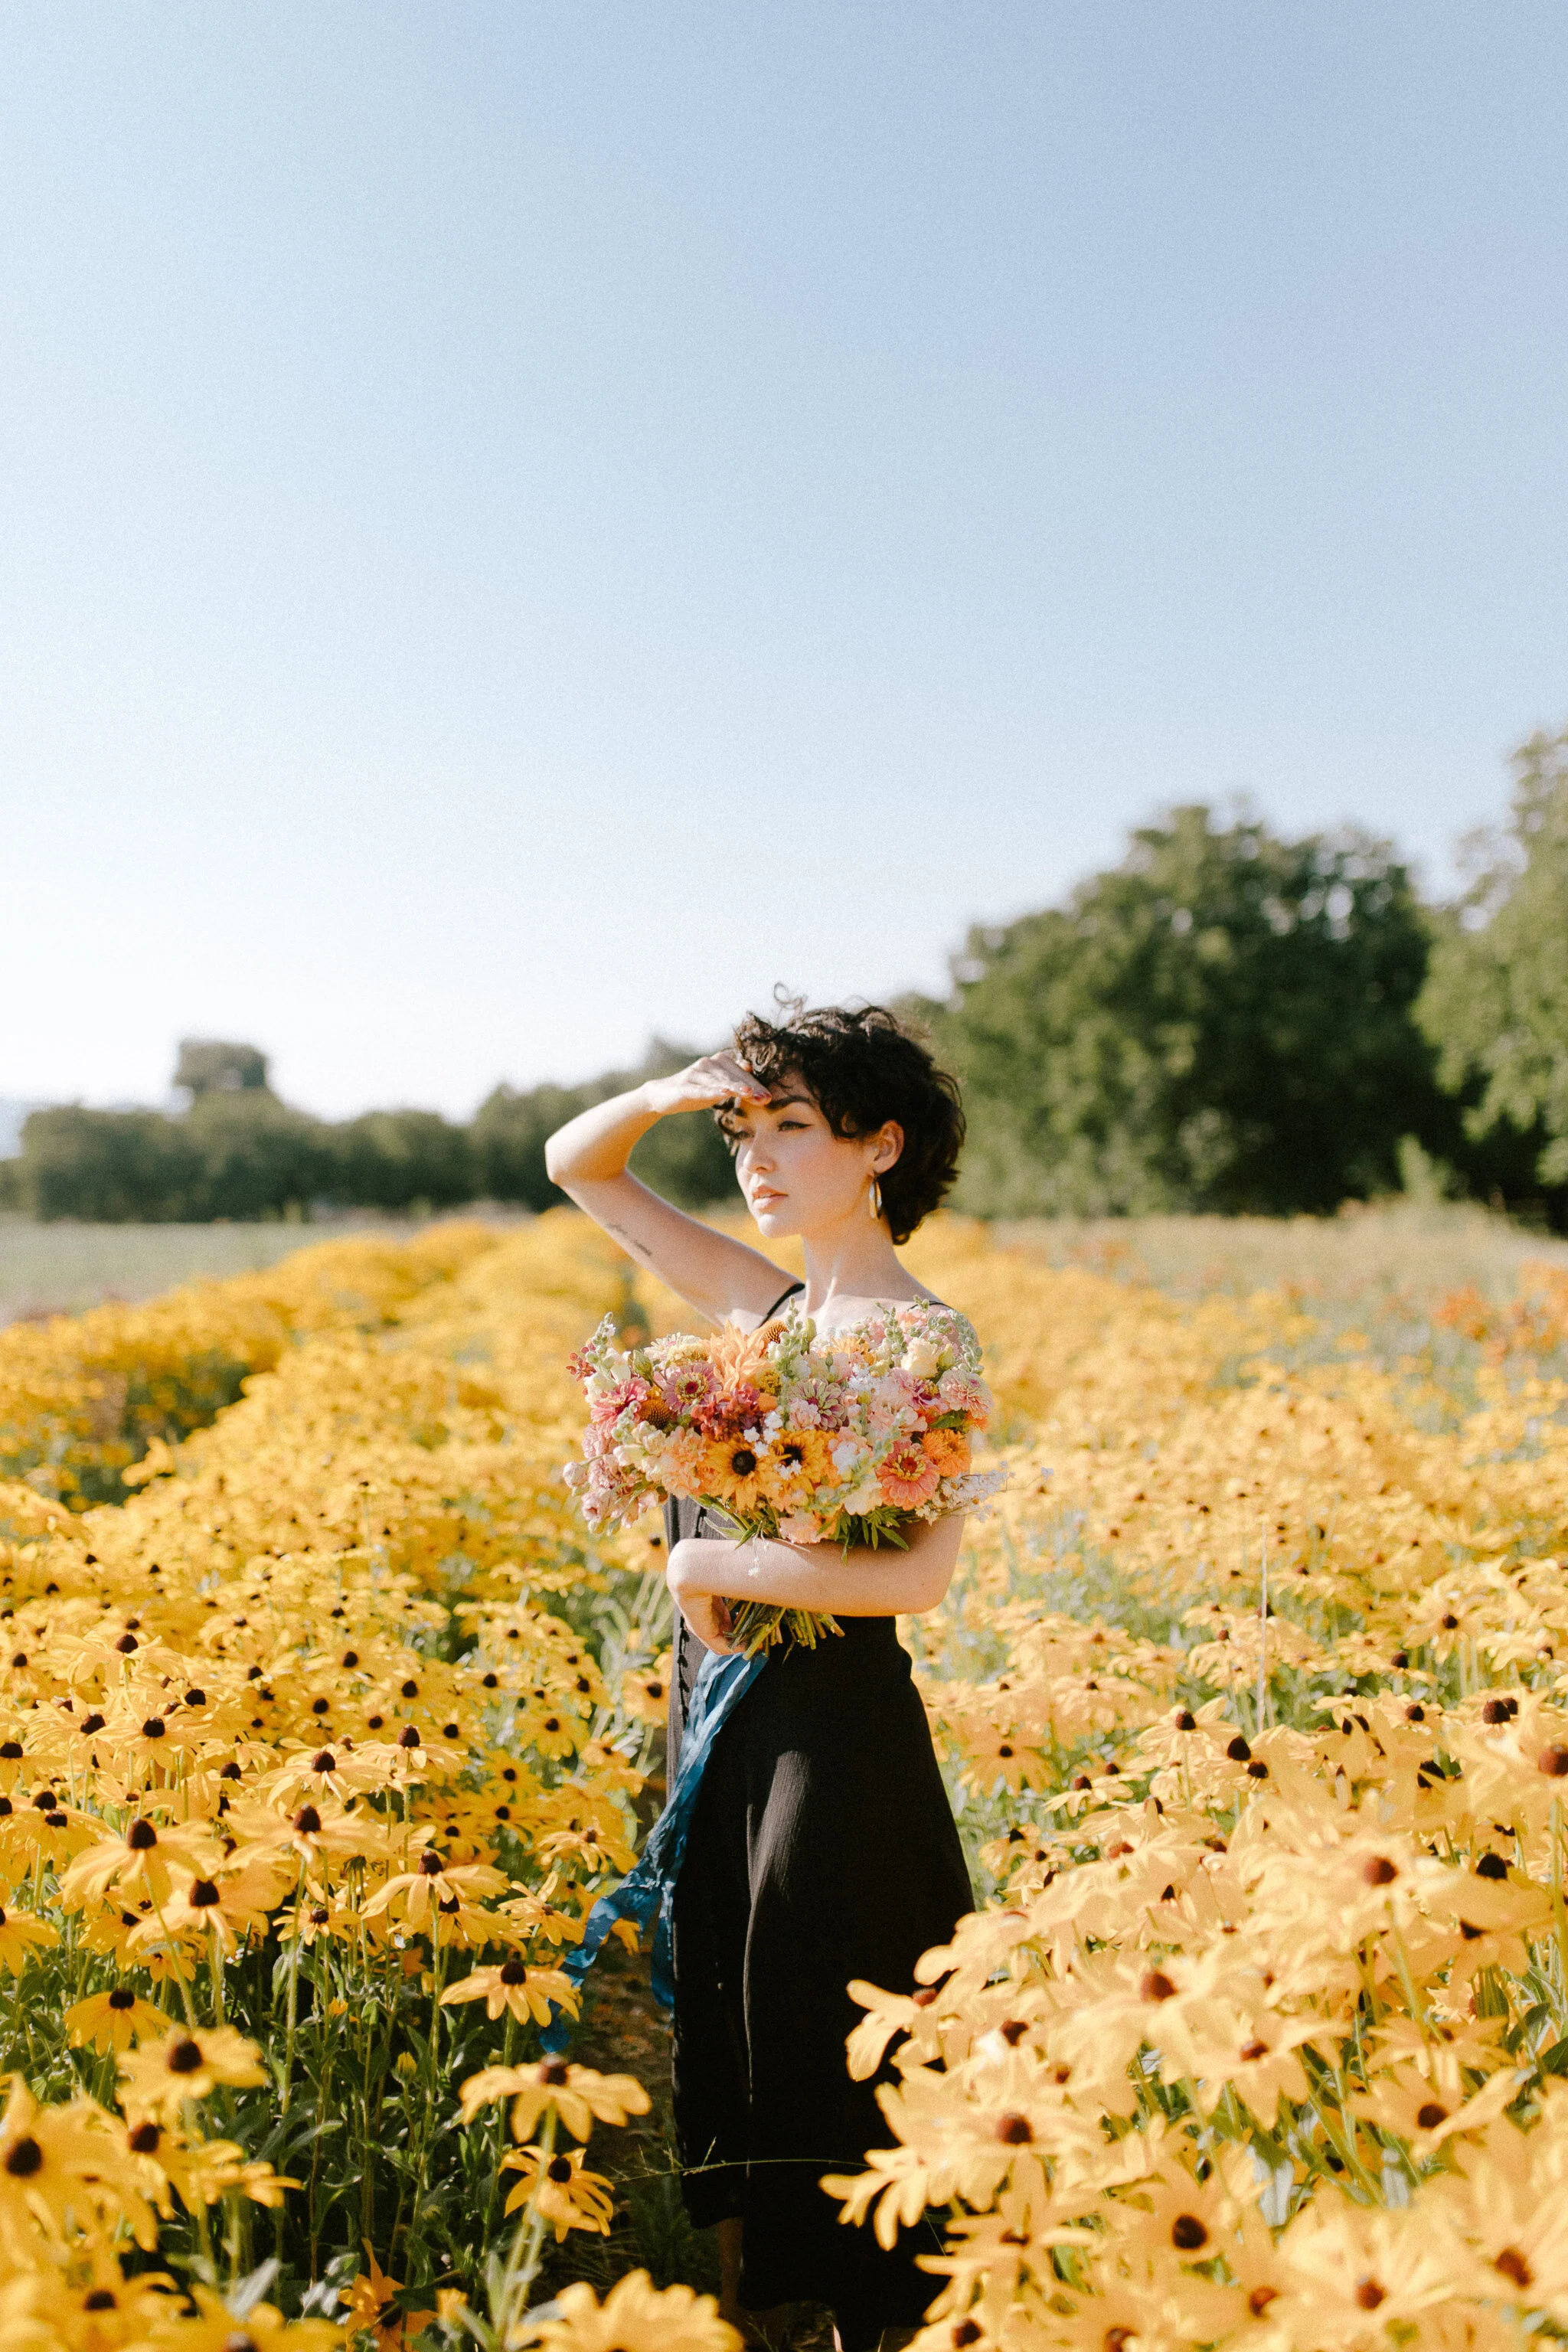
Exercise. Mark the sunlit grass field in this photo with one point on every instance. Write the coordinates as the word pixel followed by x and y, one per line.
pixel 58 1269
pixel 1365 1260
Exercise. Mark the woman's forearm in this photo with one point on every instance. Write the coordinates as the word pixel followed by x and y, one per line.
pixel 595 1147
pixel 886 1582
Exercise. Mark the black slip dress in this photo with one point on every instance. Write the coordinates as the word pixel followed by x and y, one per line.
pixel 821 1848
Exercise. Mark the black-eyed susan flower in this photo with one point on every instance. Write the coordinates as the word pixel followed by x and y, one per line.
pixel 538 1914
pixel 263 2329
pixel 644 1692
pixel 113 2019
pixel 366 2297
pixel 320 1836
pixel 591 1845
pixel 190 2063
pixel 555 2184
pixel 55 2161
pixel 137 1860
pixel 577 2094
pixel 199 2171
pixel 635 2317
pixel 22 1935
pixel 516 1991
pixel 441 1898
pixel 231 1903
pixel 327 1776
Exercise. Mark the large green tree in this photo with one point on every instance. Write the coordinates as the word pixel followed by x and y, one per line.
pixel 1496 998
pixel 1223 1021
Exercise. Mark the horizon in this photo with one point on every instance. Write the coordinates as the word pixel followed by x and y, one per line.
pixel 13 1108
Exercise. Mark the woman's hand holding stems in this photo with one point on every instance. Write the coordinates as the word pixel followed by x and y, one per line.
pixel 706 1574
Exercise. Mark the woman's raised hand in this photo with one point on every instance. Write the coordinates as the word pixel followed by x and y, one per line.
pixel 719 1274
pixel 715 1078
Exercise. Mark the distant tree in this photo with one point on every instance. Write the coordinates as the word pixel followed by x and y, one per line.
pixel 508 1135
pixel 686 1159
pixel 207 1066
pixel 106 1167
pixel 401 1160
pixel 1496 1000
pixel 258 1158
pixel 1223 1021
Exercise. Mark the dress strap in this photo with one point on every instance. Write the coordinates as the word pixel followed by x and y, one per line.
pixel 780 1300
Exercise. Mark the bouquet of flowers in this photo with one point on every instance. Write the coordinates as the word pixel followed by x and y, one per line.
pixel 844 1439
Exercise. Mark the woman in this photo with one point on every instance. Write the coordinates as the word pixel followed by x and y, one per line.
pixel 822 1847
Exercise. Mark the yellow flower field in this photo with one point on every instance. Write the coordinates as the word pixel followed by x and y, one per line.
pixel 322 1721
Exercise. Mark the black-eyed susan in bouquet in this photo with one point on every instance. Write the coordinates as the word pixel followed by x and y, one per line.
pixel 845 1438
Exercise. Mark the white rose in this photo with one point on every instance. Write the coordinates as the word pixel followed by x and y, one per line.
pixel 922 1361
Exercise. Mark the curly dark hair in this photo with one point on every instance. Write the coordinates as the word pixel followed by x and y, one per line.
pixel 862 1066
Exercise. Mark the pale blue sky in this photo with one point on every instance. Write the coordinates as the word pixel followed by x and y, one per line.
pixel 522 526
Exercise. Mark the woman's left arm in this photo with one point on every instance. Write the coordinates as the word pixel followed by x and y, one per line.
pixel 886 1582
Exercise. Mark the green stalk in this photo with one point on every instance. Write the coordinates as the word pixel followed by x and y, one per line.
pixel 286 2089
pixel 516 2284
pixel 187 2003
pixel 437 1971
pixel 495 2178
pixel 1559 1916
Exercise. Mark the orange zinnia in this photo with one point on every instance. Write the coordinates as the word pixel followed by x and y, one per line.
pixel 908 1477
pixel 949 1449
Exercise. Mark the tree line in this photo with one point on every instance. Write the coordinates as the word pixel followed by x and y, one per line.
pixel 238 1151
pixel 1224 1021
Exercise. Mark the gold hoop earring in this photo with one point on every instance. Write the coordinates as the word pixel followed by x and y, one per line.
pixel 874 1201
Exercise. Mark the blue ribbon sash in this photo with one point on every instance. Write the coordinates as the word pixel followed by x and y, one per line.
pixel 648 1891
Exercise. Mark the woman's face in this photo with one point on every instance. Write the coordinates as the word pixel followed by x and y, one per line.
pixel 798 1177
